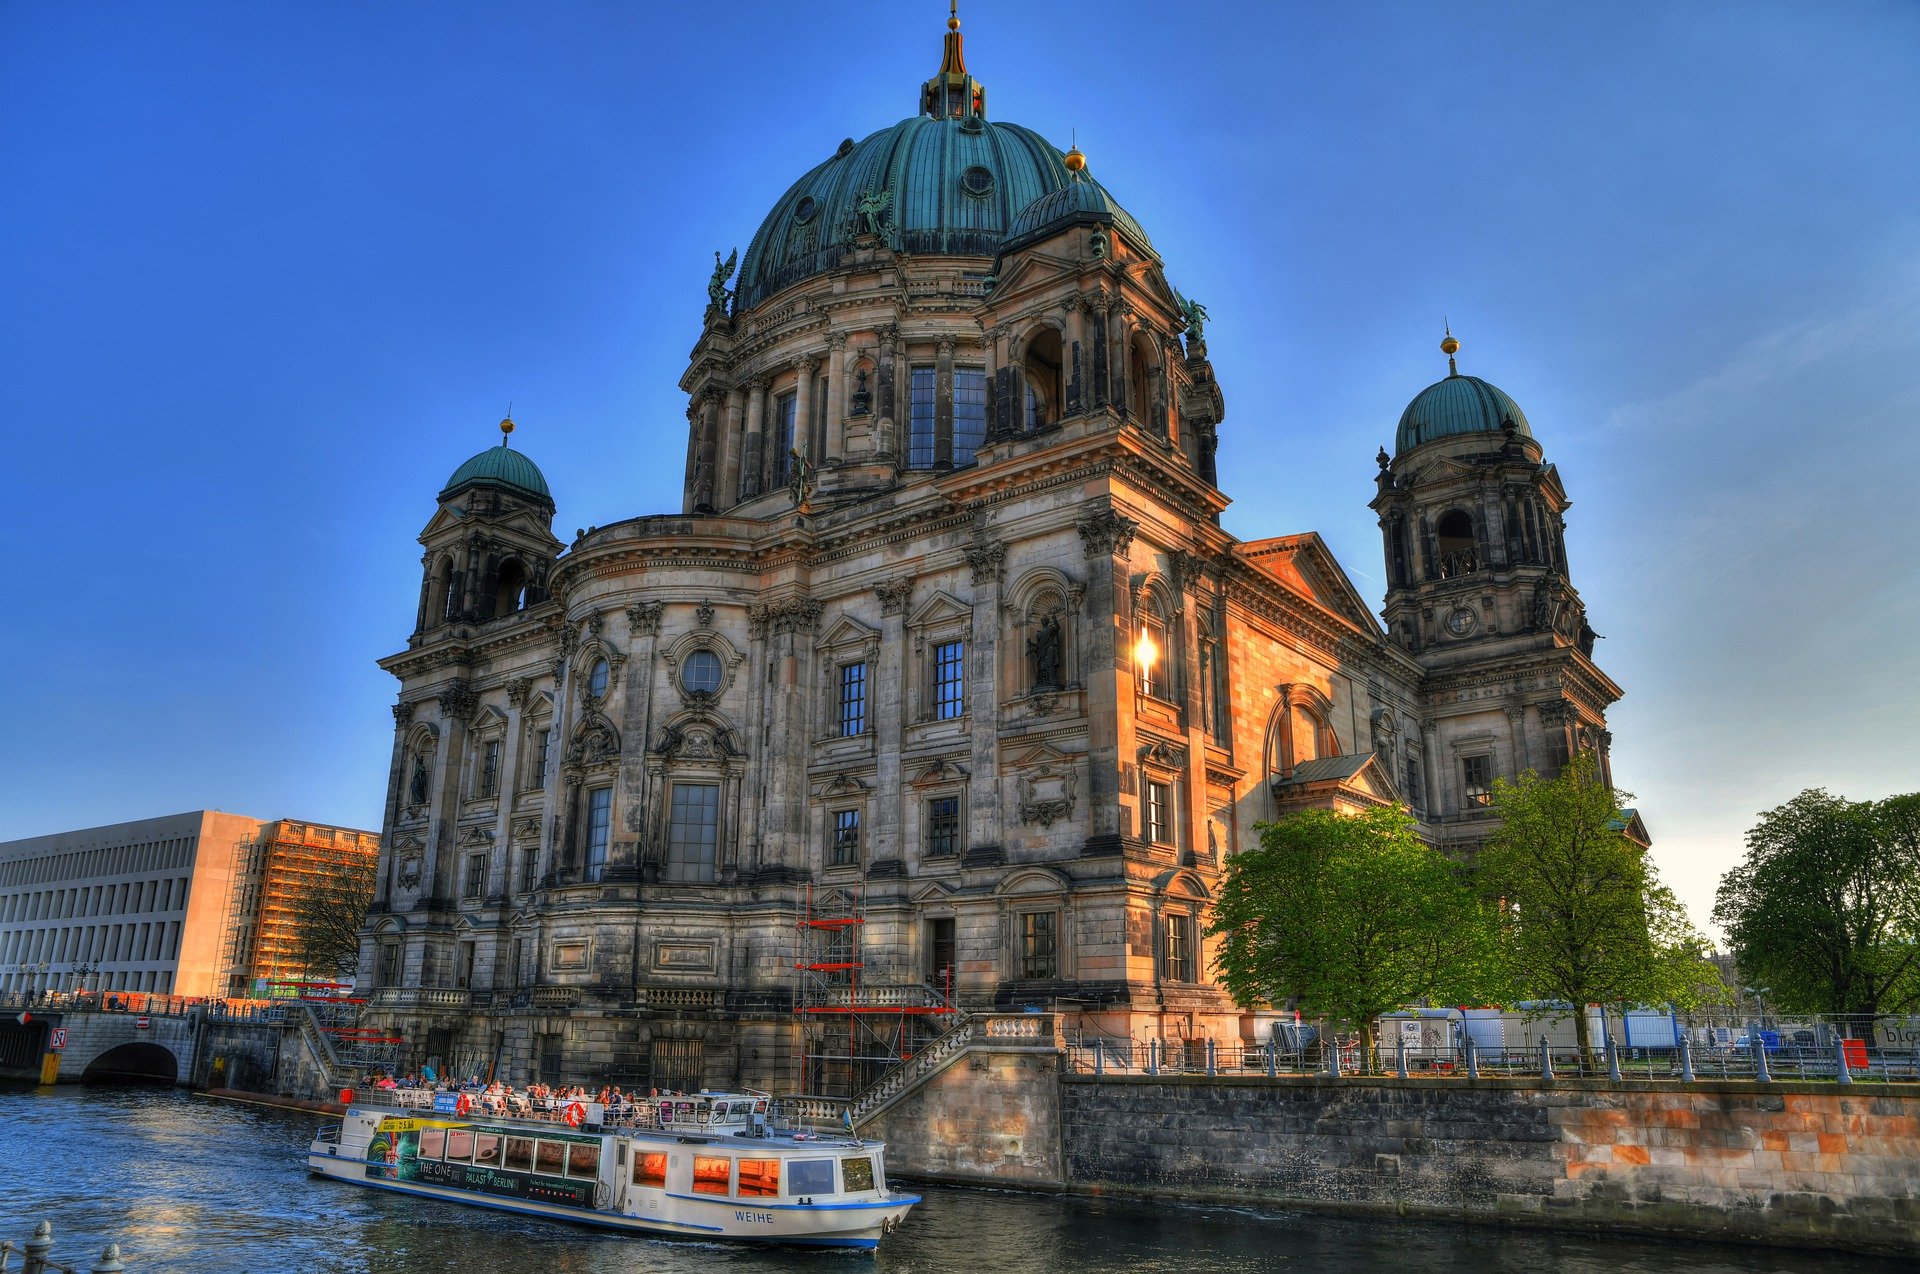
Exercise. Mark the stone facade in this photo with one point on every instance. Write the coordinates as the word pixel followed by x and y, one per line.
pixel 946 468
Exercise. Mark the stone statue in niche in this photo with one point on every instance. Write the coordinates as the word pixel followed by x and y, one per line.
pixel 862 402
pixel 417 785
pixel 1044 649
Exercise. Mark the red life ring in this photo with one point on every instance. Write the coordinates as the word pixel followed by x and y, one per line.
pixel 464 1105
pixel 575 1113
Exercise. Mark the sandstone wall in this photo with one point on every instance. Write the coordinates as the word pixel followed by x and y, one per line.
pixel 1814 1165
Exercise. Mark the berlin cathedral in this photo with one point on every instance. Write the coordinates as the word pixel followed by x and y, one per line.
pixel 943 689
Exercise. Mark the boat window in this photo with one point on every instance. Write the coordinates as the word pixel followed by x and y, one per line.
pixel 650 1170
pixel 856 1174
pixel 486 1149
pixel 759 1178
pixel 459 1145
pixel 809 1176
pixel 551 1158
pixel 433 1142
pixel 583 1159
pixel 520 1154
pixel 710 1174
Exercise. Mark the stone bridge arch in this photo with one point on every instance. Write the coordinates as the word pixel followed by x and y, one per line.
pixel 135 1060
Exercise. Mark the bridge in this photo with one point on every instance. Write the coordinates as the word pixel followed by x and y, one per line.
pixel 166 1041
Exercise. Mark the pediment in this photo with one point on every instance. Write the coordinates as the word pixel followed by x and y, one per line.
pixel 934 891
pixel 1035 880
pixel 1305 565
pixel 848 631
pixel 1041 755
pixel 939 771
pixel 940 608
pixel 844 785
pixel 521 524
pixel 1358 777
pixel 1034 266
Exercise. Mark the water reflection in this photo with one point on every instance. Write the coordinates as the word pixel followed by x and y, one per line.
pixel 183 1182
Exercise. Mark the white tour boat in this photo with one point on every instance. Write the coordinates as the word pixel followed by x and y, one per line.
pixel 708 1166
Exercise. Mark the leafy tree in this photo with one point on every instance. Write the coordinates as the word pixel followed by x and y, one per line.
pixel 1587 920
pixel 328 916
pixel 1825 908
pixel 1351 916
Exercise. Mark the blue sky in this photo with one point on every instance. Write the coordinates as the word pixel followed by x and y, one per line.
pixel 269 272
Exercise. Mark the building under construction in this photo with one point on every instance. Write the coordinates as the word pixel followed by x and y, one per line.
pixel 291 879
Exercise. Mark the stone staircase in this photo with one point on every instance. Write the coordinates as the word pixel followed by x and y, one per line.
pixel 934 1056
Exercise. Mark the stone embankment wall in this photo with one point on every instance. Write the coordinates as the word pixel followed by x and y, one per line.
pixel 1806 1165
pixel 991 1118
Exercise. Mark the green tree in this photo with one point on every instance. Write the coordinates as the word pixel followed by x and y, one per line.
pixel 1587 921
pixel 1825 907
pixel 328 915
pixel 1350 916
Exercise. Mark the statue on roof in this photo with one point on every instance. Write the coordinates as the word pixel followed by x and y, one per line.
pixel 1196 316
pixel 717 292
pixel 871 212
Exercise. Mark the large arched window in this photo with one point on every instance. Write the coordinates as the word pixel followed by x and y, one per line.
pixel 1454 541
pixel 1140 364
pixel 510 588
pixel 1045 391
pixel 1153 650
pixel 444 600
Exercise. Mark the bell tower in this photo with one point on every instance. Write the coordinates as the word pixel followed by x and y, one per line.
pixel 490 545
pixel 1479 591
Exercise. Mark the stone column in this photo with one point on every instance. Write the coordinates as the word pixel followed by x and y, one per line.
pixel 707 462
pixel 988 558
pixel 803 407
pixel 688 483
pixel 834 426
pixel 735 418
pixel 1072 381
pixel 889 715
pixel 754 457
pixel 943 405
pixel 397 779
pixel 638 806
pixel 1438 803
pixel 457 703
pixel 1107 537
pixel 887 404
pixel 1517 728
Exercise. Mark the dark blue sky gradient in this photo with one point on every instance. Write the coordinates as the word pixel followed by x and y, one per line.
pixel 269 272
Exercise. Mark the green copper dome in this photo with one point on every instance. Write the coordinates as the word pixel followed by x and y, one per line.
pixel 502 466
pixel 1081 201
pixel 944 186
pixel 1454 406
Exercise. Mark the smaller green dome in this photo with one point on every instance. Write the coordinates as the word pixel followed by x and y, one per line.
pixel 1081 201
pixel 502 466
pixel 1454 406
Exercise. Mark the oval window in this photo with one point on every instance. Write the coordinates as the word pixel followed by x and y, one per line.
pixel 701 673
pixel 977 181
pixel 804 210
pixel 597 678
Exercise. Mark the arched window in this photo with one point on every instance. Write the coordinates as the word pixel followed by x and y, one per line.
pixel 510 590
pixel 700 672
pixel 597 678
pixel 1139 385
pixel 1397 551
pixel 445 598
pixel 1045 394
pixel 1153 652
pixel 1454 540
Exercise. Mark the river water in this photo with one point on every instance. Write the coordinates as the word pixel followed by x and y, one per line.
pixel 191 1183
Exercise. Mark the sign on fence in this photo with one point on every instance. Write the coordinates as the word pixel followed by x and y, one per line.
pixel 58 1040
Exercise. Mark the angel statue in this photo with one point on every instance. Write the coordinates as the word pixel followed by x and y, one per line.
pixel 870 211
pixel 717 293
pixel 800 480
pixel 1196 316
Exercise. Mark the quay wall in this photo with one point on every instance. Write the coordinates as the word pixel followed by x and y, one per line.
pixel 1794 1164
pixel 991 1118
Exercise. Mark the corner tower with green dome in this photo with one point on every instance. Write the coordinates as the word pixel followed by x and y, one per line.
pixel 1479 591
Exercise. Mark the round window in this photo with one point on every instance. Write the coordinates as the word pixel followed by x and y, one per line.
pixel 597 678
pixel 804 210
pixel 700 674
pixel 977 181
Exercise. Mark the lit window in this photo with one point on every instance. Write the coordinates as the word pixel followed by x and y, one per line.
pixel 969 412
pixel 920 427
pixel 943 825
pixel 693 832
pixel 1160 813
pixel 597 678
pixel 759 1178
pixel 711 1174
pixel 700 674
pixel 1154 677
pixel 1476 773
pixel 853 700
pixel 1040 944
pixel 599 828
pixel 949 680
pixel 845 851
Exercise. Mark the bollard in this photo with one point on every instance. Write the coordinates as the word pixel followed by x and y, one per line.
pixel 1333 1058
pixel 1400 1056
pixel 1272 1066
pixel 1845 1073
pixel 1761 1071
pixel 1210 1060
pixel 1473 1060
pixel 1546 1062
pixel 110 1261
pixel 36 1249
pixel 1613 1060
pixel 1686 1059
pixel 1153 1057
pixel 1099 1058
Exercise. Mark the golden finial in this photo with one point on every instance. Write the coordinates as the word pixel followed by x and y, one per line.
pixel 1450 347
pixel 1074 159
pixel 506 428
pixel 953 16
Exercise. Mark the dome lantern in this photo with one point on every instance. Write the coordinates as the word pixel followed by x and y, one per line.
pixel 952 93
